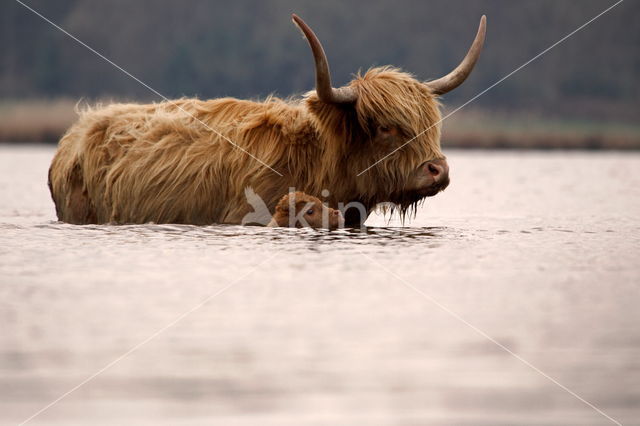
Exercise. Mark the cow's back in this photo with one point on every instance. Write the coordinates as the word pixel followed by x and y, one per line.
pixel 129 163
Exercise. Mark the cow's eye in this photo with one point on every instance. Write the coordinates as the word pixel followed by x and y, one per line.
pixel 310 212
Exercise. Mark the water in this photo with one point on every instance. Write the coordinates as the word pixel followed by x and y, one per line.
pixel 244 325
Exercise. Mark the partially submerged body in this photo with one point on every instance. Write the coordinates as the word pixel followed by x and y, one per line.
pixel 190 161
pixel 298 210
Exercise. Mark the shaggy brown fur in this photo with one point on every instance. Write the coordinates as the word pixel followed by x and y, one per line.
pixel 316 214
pixel 130 163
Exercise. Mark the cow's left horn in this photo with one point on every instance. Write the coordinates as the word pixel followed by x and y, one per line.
pixel 456 77
pixel 326 93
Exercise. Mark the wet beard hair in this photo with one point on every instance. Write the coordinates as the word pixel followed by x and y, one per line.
pixel 405 204
pixel 408 201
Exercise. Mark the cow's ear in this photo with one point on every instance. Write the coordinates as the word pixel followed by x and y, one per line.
pixel 282 207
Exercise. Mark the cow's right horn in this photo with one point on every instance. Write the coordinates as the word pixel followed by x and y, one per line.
pixel 456 77
pixel 325 92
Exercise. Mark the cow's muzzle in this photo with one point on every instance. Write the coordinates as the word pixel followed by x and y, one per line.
pixel 432 177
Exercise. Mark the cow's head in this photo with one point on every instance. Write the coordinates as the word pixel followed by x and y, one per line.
pixel 386 125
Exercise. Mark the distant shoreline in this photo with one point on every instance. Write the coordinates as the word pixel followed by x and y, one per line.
pixel 45 121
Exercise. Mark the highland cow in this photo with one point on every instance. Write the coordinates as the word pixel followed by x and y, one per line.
pixel 297 210
pixel 189 160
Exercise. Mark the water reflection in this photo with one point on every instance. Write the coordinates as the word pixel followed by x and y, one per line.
pixel 396 236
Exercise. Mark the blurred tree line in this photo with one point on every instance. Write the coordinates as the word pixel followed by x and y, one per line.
pixel 250 48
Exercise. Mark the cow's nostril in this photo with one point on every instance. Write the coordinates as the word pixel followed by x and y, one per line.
pixel 433 176
pixel 433 169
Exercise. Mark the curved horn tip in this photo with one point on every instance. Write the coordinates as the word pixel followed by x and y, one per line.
pixel 325 91
pixel 456 77
pixel 296 20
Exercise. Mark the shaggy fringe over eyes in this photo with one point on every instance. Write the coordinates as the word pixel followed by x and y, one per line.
pixel 387 97
pixel 396 98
